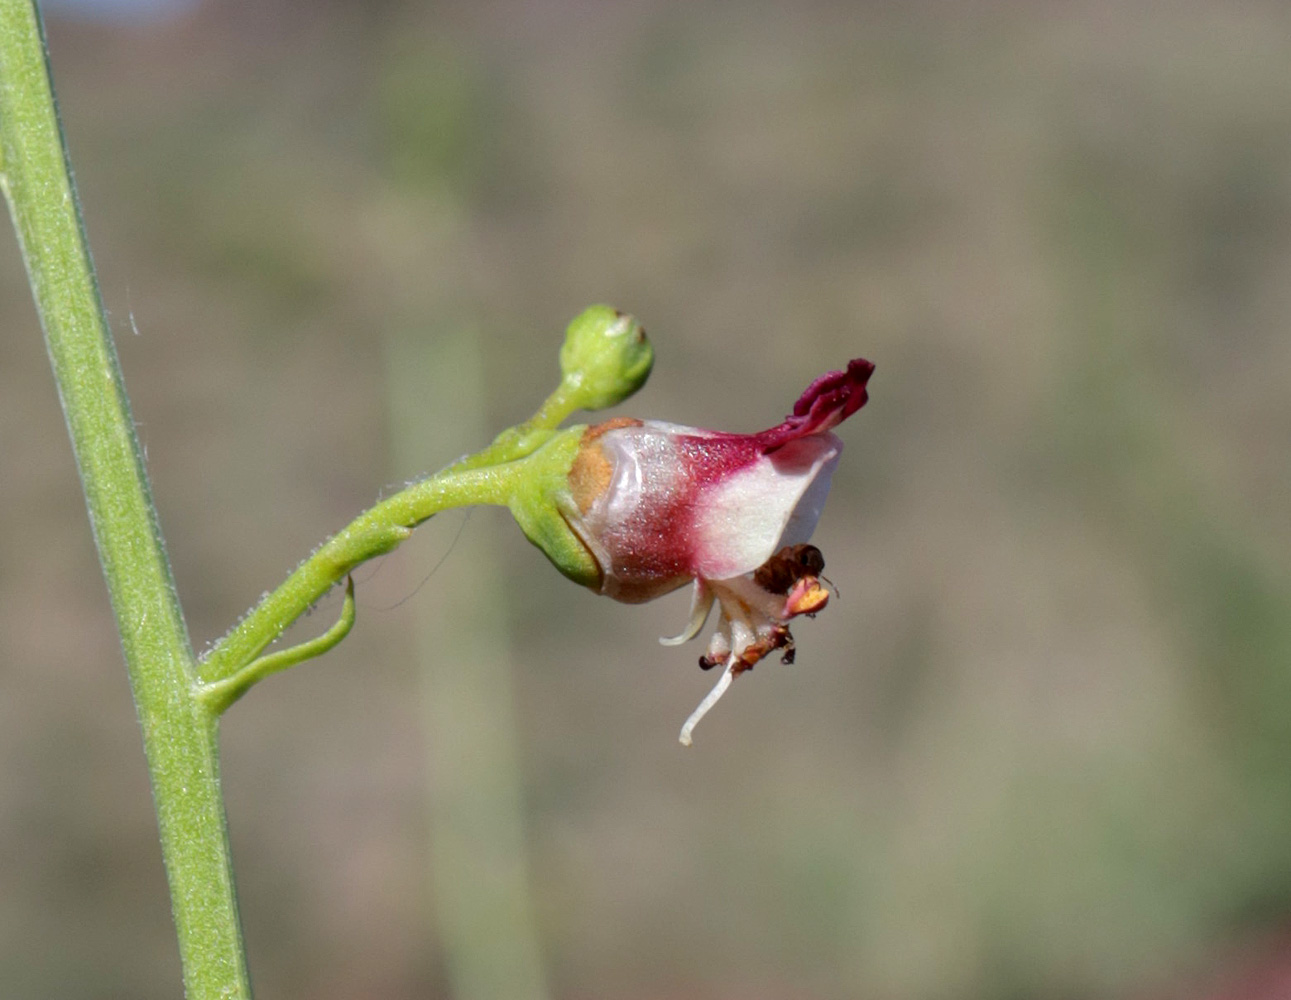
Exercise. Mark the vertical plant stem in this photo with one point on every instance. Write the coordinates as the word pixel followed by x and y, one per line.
pixel 179 733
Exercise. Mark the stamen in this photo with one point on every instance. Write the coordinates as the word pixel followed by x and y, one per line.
pixel 709 701
pixel 806 598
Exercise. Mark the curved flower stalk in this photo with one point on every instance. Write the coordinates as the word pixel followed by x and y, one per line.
pixel 605 358
pixel 659 506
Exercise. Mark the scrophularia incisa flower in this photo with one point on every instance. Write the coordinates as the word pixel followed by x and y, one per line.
pixel 659 506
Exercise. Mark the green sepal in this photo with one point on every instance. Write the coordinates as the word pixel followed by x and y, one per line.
pixel 539 493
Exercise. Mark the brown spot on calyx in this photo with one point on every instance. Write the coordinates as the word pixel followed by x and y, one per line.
pixel 590 475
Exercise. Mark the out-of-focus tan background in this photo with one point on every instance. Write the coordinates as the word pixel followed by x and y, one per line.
pixel 1039 746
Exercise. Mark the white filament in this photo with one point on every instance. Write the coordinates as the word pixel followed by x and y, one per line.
pixel 709 701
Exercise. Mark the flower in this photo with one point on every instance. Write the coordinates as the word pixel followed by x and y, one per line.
pixel 659 505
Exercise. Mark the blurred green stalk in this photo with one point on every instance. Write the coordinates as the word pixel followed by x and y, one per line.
pixel 479 874
pixel 179 734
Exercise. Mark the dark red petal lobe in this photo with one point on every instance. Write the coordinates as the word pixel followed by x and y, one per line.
pixel 828 401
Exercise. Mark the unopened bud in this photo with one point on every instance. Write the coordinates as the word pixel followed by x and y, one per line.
pixel 605 358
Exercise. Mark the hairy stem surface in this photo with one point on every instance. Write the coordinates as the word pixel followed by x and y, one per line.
pixel 178 732
pixel 374 532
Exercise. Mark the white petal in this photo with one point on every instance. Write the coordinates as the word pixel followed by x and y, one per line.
pixel 749 515
pixel 701 603
pixel 806 513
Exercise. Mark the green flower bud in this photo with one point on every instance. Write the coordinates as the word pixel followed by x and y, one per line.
pixel 605 358
pixel 538 499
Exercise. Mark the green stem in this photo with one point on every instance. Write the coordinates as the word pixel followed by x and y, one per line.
pixel 179 733
pixel 219 695
pixel 523 439
pixel 372 533
pixel 489 476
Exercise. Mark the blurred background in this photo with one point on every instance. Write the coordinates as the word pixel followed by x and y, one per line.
pixel 1038 748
